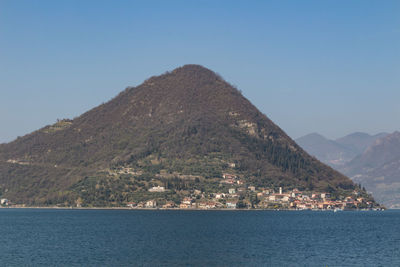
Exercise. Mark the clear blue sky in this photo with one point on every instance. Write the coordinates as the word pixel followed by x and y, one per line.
pixel 331 67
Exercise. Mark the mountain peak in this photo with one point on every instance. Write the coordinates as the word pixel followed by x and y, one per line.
pixel 356 135
pixel 195 71
pixel 192 67
pixel 388 140
pixel 313 135
pixel 188 79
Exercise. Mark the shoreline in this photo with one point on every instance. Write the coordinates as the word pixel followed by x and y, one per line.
pixel 175 209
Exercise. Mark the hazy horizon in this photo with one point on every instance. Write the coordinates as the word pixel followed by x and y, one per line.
pixel 326 67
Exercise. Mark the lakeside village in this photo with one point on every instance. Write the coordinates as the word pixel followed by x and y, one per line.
pixel 241 196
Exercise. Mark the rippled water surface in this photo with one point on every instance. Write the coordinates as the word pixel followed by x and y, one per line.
pixel 193 238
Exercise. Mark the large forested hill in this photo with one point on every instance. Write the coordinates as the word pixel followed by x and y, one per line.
pixel 184 127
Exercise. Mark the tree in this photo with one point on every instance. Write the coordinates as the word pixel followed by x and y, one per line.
pixel 241 205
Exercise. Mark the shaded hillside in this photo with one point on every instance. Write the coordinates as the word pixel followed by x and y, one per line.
pixel 358 142
pixel 337 153
pixel 327 151
pixel 378 169
pixel 183 129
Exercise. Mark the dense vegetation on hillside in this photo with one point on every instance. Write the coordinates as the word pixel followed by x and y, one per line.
pixel 183 130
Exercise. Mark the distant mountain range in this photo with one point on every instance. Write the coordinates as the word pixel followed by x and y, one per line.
pixel 337 152
pixel 182 130
pixel 378 169
pixel 372 160
pixel 327 151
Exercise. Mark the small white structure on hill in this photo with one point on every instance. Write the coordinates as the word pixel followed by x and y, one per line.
pixel 157 189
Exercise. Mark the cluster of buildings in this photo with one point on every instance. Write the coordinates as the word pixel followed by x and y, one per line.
pixel 295 199
pixel 250 197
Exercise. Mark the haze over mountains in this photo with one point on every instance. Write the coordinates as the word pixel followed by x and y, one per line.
pixel 378 169
pixel 183 129
pixel 340 151
pixel 373 161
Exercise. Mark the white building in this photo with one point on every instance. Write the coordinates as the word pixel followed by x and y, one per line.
pixel 285 199
pixel 151 204
pixel 325 195
pixel 157 189
pixel 219 196
pixel 231 205
pixel 187 201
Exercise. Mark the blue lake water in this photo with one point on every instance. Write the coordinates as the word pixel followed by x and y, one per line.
pixel 198 238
